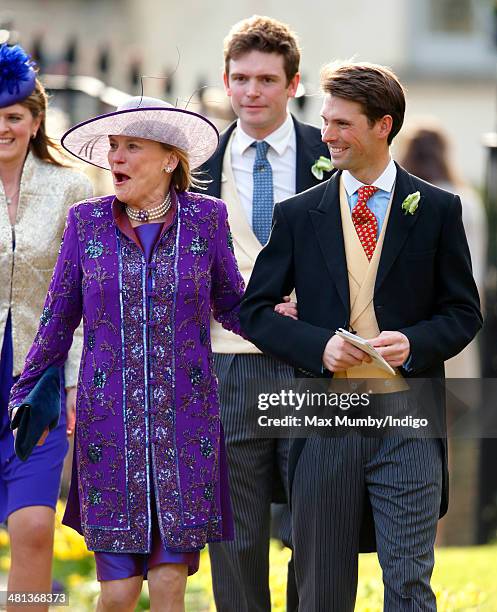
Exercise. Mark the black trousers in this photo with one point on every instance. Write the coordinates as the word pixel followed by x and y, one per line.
pixel 403 479
pixel 257 469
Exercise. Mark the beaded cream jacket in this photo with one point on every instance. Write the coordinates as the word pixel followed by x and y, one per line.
pixel 46 193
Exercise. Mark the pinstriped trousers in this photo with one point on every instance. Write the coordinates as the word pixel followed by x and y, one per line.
pixel 403 478
pixel 240 569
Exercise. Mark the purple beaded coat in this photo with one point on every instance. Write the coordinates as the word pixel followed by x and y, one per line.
pixel 147 407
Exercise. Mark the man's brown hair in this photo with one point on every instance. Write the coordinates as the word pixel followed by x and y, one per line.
pixel 376 88
pixel 263 34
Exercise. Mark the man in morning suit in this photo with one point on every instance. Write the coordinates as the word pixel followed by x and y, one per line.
pixel 263 157
pixel 401 279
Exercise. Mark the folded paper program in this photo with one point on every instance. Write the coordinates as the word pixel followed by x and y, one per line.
pixel 364 345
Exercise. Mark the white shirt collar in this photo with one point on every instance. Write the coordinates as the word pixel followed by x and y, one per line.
pixel 278 140
pixel 385 181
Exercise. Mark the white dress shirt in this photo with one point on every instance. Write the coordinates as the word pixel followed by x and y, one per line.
pixel 282 155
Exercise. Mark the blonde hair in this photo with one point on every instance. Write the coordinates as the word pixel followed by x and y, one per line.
pixel 183 176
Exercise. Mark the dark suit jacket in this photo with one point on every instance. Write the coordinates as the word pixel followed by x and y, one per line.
pixel 424 286
pixel 309 148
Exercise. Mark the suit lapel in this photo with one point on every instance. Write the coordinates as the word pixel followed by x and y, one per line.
pixel 214 166
pixel 398 227
pixel 327 223
pixel 242 231
pixel 308 151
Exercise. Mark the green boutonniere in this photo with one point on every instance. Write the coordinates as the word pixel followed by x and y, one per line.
pixel 410 204
pixel 323 164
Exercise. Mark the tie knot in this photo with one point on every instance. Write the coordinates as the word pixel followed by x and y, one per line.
pixel 365 192
pixel 261 148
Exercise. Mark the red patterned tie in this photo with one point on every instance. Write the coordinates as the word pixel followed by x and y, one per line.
pixel 364 220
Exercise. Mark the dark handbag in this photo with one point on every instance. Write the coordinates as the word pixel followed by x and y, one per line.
pixel 41 409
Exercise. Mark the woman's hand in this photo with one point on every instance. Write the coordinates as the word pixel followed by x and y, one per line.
pixel 43 437
pixel 70 410
pixel 14 411
pixel 287 308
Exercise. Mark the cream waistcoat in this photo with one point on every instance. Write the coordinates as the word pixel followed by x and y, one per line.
pixel 247 248
pixel 46 193
pixel 362 278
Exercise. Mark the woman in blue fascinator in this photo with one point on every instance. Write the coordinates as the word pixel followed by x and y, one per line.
pixel 36 190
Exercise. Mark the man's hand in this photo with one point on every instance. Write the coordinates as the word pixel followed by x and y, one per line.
pixel 287 308
pixel 339 355
pixel 393 346
pixel 70 410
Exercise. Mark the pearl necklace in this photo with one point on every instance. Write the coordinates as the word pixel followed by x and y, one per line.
pixel 144 216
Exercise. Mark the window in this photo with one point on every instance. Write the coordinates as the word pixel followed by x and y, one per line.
pixel 452 37
pixel 455 16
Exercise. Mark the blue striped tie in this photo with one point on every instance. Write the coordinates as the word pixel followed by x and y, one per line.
pixel 262 199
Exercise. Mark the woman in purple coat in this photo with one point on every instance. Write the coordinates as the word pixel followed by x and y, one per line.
pixel 144 269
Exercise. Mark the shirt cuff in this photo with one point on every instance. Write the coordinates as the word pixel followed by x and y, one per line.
pixel 407 364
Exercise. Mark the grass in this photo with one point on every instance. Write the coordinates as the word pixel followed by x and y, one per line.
pixel 464 578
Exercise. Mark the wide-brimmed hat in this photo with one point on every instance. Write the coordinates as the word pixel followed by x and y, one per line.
pixel 148 118
pixel 17 75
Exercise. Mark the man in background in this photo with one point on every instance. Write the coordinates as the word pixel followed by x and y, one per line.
pixel 263 157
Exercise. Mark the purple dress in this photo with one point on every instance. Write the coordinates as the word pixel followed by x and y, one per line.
pixel 147 409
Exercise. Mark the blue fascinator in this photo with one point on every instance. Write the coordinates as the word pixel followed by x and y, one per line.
pixel 17 75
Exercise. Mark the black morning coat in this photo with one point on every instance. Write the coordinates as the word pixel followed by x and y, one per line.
pixel 424 288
